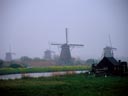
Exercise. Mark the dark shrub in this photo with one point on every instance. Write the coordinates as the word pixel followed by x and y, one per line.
pixel 1 63
pixel 15 66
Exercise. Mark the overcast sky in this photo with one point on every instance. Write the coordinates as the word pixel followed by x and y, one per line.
pixel 29 26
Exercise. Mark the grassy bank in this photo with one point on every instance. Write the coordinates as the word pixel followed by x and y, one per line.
pixel 71 85
pixel 41 69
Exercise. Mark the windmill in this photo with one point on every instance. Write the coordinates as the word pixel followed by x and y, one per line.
pixel 48 54
pixel 65 55
pixel 8 55
pixel 108 50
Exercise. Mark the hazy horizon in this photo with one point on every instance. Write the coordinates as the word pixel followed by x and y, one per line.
pixel 29 26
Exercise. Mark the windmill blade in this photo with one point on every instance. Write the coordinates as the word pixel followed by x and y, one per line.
pixel 66 30
pixel 13 53
pixel 53 51
pixel 76 45
pixel 114 48
pixel 56 44
pixel 110 41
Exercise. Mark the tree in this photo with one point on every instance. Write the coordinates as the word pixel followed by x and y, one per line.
pixel 1 63
pixel 36 59
pixel 25 58
pixel 90 61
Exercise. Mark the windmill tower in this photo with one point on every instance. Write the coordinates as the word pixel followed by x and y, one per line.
pixel 8 56
pixel 48 54
pixel 108 50
pixel 65 55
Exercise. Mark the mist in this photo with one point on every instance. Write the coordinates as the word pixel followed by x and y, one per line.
pixel 28 27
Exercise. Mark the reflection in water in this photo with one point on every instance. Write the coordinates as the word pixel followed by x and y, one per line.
pixel 36 75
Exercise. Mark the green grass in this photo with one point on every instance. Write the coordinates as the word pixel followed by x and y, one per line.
pixel 69 85
pixel 41 69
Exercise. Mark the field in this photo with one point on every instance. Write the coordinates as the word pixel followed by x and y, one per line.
pixel 42 69
pixel 69 85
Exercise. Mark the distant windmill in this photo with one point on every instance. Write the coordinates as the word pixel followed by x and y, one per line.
pixel 8 55
pixel 65 55
pixel 108 50
pixel 48 54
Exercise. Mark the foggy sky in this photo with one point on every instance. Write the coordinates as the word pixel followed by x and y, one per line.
pixel 29 26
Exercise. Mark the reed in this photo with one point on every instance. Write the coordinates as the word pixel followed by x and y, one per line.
pixel 42 69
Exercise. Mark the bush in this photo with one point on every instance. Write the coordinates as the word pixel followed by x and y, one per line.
pixel 15 66
pixel 1 63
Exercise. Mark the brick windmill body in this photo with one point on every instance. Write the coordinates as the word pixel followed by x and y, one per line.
pixel 65 55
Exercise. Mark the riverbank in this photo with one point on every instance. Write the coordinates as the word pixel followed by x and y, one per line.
pixel 4 71
pixel 68 85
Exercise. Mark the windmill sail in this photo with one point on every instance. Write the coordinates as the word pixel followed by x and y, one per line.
pixel 108 50
pixel 66 30
pixel 65 55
